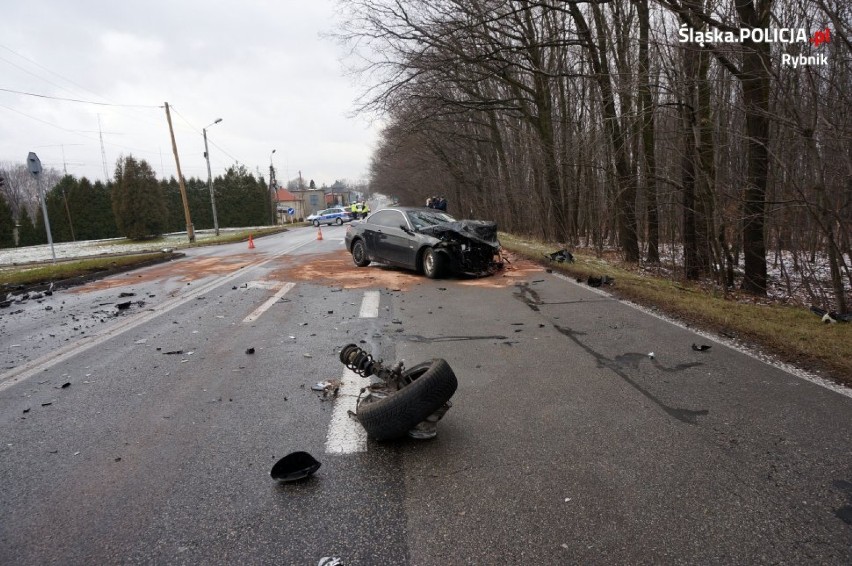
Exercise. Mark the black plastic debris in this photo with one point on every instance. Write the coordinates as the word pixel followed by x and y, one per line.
pixel 598 281
pixel 66 385
pixel 831 316
pixel 249 350
pixel 126 294
pixel 123 306
pixel 173 352
pixel 330 561
pixel 701 348
pixel 293 467
pixel 561 256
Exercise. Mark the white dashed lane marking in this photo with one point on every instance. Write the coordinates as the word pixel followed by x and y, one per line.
pixel 345 434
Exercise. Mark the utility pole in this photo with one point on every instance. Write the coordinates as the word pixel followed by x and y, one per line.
pixel 210 178
pixel 190 231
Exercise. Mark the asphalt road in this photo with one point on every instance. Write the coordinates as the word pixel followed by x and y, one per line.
pixel 567 443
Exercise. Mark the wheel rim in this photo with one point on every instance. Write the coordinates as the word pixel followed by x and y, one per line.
pixel 429 262
pixel 358 252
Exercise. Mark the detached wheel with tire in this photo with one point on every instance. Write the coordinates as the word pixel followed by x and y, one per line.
pixel 433 263
pixel 359 254
pixel 432 385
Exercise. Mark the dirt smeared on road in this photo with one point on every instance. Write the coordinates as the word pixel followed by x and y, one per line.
pixel 337 270
pixel 184 271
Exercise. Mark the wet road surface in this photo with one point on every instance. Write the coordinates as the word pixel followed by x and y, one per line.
pixel 567 442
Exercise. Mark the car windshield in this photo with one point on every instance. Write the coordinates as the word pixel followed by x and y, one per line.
pixel 424 218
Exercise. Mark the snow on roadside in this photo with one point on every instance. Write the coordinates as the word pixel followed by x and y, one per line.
pixel 90 248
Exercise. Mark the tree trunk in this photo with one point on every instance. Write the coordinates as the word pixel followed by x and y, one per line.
pixel 756 69
pixel 646 113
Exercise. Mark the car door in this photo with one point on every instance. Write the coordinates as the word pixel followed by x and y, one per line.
pixel 387 241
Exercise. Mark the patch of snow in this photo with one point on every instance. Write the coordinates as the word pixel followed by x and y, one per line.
pixel 109 246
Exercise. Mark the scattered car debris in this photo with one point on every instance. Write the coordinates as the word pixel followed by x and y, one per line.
pixel 66 385
pixel 294 466
pixel 651 355
pixel 598 281
pixel 330 561
pixel 126 294
pixel 173 352
pixel 831 317
pixel 249 350
pixel 328 386
pixel 561 256
pixel 123 306
pixel 701 348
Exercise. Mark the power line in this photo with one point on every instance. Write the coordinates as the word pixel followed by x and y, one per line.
pixel 77 132
pixel 78 100
pixel 199 133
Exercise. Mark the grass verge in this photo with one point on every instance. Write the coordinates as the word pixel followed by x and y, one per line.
pixel 791 334
pixel 34 274
pixel 30 275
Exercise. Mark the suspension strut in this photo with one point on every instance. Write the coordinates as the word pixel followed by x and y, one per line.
pixel 359 361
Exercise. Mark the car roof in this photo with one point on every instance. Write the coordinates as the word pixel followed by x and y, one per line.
pixel 411 208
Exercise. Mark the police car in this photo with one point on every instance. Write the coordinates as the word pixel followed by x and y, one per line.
pixel 337 215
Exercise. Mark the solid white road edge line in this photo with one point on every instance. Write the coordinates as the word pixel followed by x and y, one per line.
pixel 765 358
pixel 269 302
pixel 345 434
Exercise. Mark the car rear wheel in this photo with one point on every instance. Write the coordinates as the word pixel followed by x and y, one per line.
pixel 433 263
pixel 339 221
pixel 359 254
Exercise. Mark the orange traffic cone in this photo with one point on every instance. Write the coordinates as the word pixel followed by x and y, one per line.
pixel 251 242
pixel 319 233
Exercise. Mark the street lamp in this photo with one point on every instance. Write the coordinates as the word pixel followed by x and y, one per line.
pixel 272 194
pixel 210 177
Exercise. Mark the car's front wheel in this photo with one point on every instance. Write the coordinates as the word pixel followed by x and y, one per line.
pixel 359 254
pixel 316 223
pixel 433 263
pixel 339 221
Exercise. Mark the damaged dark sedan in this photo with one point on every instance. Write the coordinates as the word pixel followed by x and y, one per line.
pixel 426 240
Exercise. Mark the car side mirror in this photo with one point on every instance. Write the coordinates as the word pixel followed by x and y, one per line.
pixel 405 229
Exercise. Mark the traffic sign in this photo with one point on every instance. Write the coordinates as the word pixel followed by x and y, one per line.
pixel 291 211
pixel 34 164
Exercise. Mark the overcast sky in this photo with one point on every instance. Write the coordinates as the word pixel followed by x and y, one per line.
pixel 261 66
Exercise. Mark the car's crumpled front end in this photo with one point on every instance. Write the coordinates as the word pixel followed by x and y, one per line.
pixel 471 245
